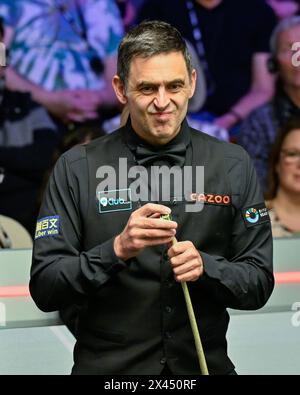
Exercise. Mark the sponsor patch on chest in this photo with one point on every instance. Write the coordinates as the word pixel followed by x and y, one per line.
pixel 114 200
pixel 211 198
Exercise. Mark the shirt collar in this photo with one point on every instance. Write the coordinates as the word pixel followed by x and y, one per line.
pixel 132 139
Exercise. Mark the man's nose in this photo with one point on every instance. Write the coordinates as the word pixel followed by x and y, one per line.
pixel 161 100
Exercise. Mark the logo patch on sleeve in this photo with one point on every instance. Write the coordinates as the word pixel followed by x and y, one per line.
pixel 47 226
pixel 255 215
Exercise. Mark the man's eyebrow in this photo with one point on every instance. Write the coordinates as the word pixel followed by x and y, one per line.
pixel 176 81
pixel 140 84
pixel 153 84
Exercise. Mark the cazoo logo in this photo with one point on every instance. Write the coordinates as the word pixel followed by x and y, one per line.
pixel 296 316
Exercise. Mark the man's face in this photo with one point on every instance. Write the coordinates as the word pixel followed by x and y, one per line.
pixel 289 74
pixel 157 96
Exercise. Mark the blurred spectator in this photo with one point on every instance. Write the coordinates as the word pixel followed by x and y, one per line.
pixel 13 234
pixel 259 130
pixel 64 53
pixel 284 8
pixel 28 138
pixel 127 11
pixel 138 3
pixel 284 182
pixel 232 48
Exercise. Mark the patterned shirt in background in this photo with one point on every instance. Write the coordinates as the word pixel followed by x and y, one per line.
pixel 257 134
pixel 48 50
pixel 259 131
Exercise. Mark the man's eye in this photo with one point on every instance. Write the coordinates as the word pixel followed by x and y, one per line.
pixel 175 87
pixel 147 89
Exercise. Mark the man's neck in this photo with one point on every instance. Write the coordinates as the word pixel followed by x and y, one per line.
pixel 209 4
pixel 154 141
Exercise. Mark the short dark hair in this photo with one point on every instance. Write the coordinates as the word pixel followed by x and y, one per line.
pixel 147 39
pixel 273 180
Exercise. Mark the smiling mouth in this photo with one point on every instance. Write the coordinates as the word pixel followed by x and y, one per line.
pixel 161 114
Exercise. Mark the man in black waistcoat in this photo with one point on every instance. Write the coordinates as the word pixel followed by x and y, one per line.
pixel 100 243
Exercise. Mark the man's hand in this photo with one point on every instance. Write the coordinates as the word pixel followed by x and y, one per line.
pixel 76 105
pixel 144 229
pixel 186 261
pixel 67 105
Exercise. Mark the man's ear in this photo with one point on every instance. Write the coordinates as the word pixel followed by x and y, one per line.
pixel 119 89
pixel 193 83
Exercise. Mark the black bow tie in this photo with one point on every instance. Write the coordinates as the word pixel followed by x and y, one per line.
pixel 174 154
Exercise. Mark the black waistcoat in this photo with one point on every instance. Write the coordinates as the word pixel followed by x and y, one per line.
pixel 138 318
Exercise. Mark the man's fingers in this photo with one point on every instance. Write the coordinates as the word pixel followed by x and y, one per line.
pixel 186 261
pixel 151 208
pixel 189 276
pixel 154 223
pixel 187 267
pixel 183 257
pixel 156 233
pixel 155 215
pixel 158 241
pixel 140 244
pixel 180 248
